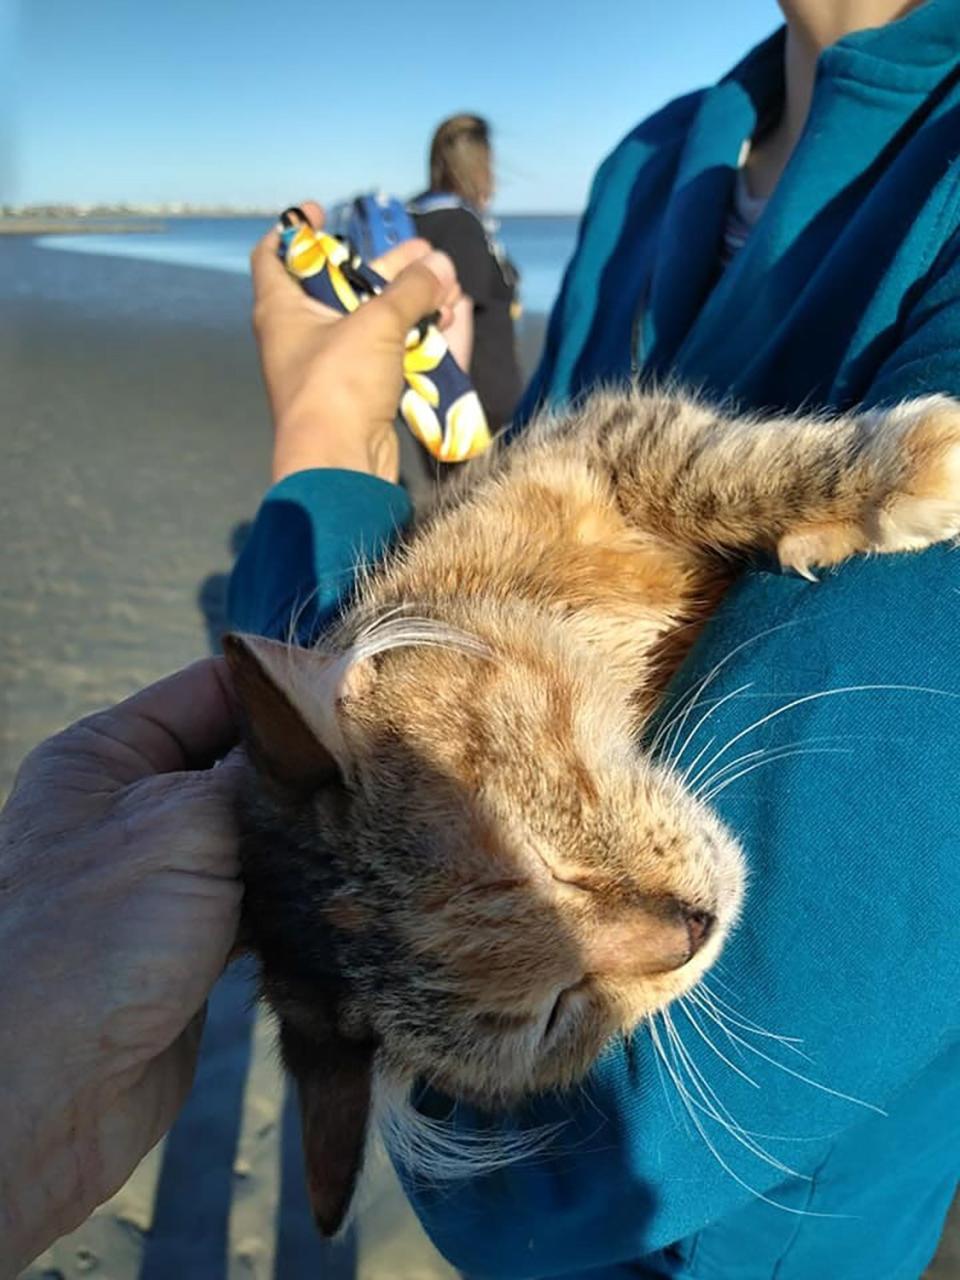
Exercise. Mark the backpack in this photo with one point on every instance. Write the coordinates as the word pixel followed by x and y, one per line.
pixel 373 223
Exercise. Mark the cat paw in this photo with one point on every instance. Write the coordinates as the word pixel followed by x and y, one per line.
pixel 916 446
pixel 925 507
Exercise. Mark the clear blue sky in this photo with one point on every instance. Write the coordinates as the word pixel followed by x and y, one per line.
pixel 263 103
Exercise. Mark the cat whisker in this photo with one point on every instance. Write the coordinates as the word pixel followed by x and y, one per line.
pixel 684 704
pixel 769 1136
pixel 297 613
pixel 827 693
pixel 708 796
pixel 706 1039
pixel 700 783
pixel 691 783
pixel 442 1151
pixel 700 686
pixel 675 725
pixel 380 619
pixel 708 1001
pixel 714 1108
pixel 709 1013
pixel 673 1076
pixel 405 631
pixel 798 1075
pixel 657 1055
pixel 696 760
pixel 711 1147
pixel 583 1090
pixel 717 972
pixel 734 693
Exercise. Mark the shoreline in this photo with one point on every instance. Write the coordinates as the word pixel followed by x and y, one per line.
pixel 78 227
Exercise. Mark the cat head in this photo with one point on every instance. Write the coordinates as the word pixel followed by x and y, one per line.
pixel 461 868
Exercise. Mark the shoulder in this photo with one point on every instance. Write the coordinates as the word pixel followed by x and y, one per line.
pixel 652 142
pixel 458 233
pixel 666 128
pixel 458 221
pixel 452 230
pixel 672 120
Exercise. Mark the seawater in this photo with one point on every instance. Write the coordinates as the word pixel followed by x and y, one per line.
pixel 540 246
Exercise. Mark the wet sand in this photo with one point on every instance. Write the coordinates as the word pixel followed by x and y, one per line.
pixel 134 452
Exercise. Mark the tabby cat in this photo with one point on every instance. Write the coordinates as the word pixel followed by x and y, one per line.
pixel 463 862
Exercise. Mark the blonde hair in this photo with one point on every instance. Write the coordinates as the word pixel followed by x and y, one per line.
pixel 461 159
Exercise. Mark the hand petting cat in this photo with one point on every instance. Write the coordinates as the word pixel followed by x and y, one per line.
pixel 334 384
pixel 119 903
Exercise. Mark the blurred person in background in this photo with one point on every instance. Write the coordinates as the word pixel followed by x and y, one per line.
pixel 453 216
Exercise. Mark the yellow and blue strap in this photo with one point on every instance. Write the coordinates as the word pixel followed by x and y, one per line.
pixel 439 405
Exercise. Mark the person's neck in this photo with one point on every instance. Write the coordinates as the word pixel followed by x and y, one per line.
pixel 812 26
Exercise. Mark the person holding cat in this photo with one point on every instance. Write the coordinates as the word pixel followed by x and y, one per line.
pixel 786 239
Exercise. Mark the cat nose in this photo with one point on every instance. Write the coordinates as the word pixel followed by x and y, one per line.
pixel 699 926
pixel 658 936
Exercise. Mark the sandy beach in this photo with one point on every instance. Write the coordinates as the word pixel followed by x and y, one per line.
pixel 135 450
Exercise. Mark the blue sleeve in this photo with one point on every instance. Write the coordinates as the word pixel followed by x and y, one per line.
pixel 797 1077
pixel 312 531
pixel 927 354
pixel 551 383
pixel 636 162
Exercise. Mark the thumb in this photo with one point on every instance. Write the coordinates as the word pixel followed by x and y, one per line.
pixel 418 291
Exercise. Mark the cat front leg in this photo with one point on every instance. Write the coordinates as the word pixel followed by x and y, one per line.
pixel 814 490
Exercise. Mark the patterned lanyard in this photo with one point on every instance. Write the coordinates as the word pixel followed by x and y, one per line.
pixel 439 405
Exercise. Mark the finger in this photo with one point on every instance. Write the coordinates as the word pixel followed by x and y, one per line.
pixel 446 312
pixel 418 291
pixel 186 821
pixel 186 721
pixel 315 213
pixel 394 260
pixel 266 268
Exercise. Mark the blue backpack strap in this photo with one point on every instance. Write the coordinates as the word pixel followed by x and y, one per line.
pixel 434 201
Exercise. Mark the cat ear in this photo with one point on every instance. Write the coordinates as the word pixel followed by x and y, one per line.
pixel 289 698
pixel 335 1084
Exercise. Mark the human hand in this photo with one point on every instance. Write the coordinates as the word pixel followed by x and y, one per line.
pixel 334 382
pixel 119 903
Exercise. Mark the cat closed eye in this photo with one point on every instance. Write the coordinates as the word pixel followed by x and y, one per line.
pixel 565 1004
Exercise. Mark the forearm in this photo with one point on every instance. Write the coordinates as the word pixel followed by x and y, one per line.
pixel 43 1182
pixel 855 662
pixel 18 1245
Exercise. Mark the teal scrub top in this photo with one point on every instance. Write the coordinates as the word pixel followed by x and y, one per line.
pixel 820 1139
